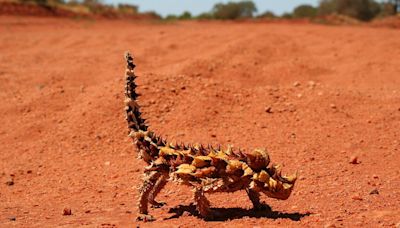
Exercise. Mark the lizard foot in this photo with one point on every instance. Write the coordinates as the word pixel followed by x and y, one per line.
pixel 145 218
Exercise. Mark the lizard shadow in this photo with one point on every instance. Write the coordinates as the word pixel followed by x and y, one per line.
pixel 224 214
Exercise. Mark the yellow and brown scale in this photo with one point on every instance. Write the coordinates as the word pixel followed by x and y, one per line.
pixel 206 169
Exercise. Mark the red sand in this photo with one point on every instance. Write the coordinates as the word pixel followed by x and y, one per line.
pixel 333 93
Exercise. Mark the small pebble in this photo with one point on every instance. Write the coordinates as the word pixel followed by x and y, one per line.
pixel 375 191
pixel 67 211
pixel 356 197
pixel 40 87
pixel 296 84
pixel 311 84
pixel 333 106
pixel 107 163
pixel 354 160
pixel 10 182
pixel 12 218
pixel 268 109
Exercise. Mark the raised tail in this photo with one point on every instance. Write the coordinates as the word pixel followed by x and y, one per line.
pixel 133 115
pixel 145 140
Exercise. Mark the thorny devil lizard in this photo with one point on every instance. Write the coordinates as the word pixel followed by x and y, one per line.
pixel 206 169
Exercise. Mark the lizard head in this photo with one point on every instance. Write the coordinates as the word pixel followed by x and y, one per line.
pixel 273 183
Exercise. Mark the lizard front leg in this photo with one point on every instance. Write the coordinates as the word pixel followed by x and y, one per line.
pixel 147 186
pixel 202 204
pixel 254 197
pixel 160 184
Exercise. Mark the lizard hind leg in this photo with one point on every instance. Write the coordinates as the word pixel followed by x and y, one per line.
pixel 144 192
pixel 160 184
pixel 254 197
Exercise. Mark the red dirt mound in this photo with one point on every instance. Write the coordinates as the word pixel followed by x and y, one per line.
pixel 390 22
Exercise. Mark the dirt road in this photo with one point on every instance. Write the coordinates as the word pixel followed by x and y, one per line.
pixel 317 97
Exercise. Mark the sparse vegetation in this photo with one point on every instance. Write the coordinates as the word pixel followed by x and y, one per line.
pixel 205 16
pixel 171 17
pixel 234 10
pixel 91 7
pixel 128 9
pixel 305 11
pixel 185 15
pixel 221 11
pixel 267 14
pixel 363 10
pixel 287 16
pixel 98 7
pixel 389 8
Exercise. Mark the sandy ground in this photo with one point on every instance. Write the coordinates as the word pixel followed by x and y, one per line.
pixel 315 96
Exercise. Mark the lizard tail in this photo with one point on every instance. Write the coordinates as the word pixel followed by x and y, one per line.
pixel 133 115
pixel 146 141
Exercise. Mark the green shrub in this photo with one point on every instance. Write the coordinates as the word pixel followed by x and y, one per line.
pixel 267 14
pixel 287 16
pixel 185 16
pixel 361 9
pixel 389 8
pixel 96 6
pixel 205 16
pixel 327 7
pixel 305 11
pixel 171 17
pixel 127 9
pixel 234 10
pixel 152 15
